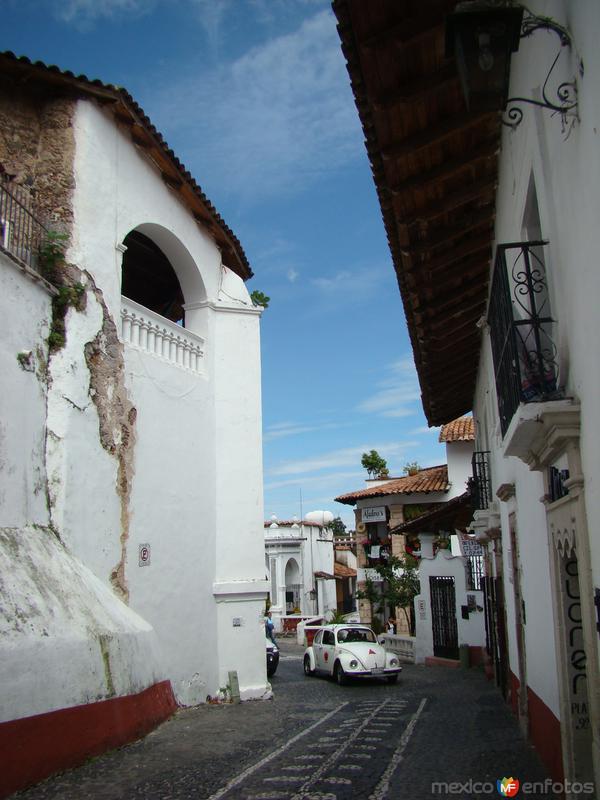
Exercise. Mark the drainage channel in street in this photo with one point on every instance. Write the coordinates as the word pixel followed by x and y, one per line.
pixel 353 751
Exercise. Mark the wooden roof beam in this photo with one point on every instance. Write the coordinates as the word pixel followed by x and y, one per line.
pixel 403 32
pixel 444 303
pixel 448 168
pixel 446 235
pixel 417 89
pixel 434 134
pixel 480 190
pixel 460 252
pixel 475 247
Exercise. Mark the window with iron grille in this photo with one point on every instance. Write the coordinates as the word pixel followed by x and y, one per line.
pixel 480 484
pixel 21 233
pixel 474 573
pixel 525 357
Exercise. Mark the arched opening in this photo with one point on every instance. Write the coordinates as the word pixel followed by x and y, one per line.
pixel 149 279
pixel 292 587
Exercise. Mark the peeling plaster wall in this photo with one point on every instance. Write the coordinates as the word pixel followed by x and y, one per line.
pixel 65 638
pixel 186 475
pixel 136 450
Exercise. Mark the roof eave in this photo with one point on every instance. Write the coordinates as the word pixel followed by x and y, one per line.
pixel 145 136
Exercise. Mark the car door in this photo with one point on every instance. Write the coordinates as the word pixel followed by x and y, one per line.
pixel 328 651
pixel 317 647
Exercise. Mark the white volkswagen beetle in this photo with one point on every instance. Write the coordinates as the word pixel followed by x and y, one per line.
pixel 350 651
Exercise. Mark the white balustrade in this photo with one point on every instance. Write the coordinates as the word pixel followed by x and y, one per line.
pixel 145 330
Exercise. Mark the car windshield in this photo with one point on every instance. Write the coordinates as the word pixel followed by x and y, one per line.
pixel 356 635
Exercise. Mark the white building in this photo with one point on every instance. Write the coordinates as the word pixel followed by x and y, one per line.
pixel 494 233
pixel 131 552
pixel 299 557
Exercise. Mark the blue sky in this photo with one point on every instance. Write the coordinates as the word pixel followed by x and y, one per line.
pixel 254 98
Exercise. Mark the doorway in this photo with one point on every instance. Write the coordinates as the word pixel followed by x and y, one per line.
pixel 443 616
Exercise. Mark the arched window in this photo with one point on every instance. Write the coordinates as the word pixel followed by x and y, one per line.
pixel 149 279
pixel 292 586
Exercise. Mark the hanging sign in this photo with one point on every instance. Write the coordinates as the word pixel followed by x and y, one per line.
pixel 373 514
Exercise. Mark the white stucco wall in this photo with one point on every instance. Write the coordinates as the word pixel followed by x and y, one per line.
pixel 196 495
pixel 180 470
pixel 533 545
pixel 25 307
pixel 65 639
pixel 458 457
pixel 470 631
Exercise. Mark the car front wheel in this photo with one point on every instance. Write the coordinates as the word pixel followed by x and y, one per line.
pixel 339 675
pixel 307 668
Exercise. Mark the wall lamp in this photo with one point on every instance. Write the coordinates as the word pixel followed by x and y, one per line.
pixel 482 35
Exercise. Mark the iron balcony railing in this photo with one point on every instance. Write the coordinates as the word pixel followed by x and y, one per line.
pixel 480 484
pixel 525 362
pixel 21 233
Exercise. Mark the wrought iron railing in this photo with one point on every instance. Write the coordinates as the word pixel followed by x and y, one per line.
pixel 525 357
pixel 21 233
pixel 480 483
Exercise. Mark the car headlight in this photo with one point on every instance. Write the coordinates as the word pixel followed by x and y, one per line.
pixel 353 664
pixel 393 662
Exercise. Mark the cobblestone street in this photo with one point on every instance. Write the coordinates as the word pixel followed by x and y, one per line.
pixel 316 739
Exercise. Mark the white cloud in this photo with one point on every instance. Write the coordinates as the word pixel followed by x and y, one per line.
pixel 352 285
pixel 292 275
pixel 211 14
pixel 272 121
pixel 85 11
pixel 425 429
pixel 281 430
pixel 344 457
pixel 320 480
pixel 397 394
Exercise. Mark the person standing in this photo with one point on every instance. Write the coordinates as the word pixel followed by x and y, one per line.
pixel 270 628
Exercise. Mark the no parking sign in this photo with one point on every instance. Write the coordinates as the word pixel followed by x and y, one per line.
pixel 144 555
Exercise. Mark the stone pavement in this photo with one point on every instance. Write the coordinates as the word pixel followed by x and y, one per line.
pixel 318 740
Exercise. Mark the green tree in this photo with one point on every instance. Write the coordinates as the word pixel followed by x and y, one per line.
pixel 260 299
pixel 337 527
pixel 398 588
pixel 374 464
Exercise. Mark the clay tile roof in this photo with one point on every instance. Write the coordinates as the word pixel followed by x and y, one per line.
pixel 326 576
pixel 456 513
pixel 130 116
pixel 342 571
pixel 459 430
pixel 431 479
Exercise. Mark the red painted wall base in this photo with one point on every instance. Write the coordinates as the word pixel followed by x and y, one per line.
pixel 35 747
pixel 543 729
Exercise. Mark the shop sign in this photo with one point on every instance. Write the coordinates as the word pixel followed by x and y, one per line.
pixel 376 514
